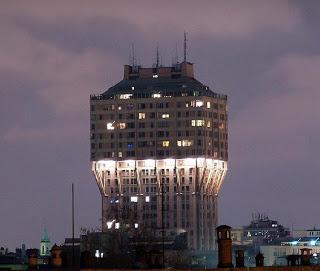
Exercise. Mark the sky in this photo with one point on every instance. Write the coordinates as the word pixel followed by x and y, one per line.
pixel 264 55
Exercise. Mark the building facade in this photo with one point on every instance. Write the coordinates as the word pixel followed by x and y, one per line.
pixel 159 151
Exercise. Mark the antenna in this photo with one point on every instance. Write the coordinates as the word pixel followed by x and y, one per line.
pixel 133 58
pixel 185 47
pixel 73 258
pixel 157 57
pixel 176 57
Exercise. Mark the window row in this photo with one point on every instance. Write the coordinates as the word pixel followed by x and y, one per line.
pixel 131 106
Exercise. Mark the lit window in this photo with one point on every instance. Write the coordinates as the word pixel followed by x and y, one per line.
pixel 185 143
pixel 208 105
pixel 156 95
pixel 147 198
pixel 208 124
pixel 120 154
pixel 109 224
pixel 119 107
pixel 142 116
pixel 197 123
pixel 117 225
pixel 187 104
pixel 132 88
pixel 200 122
pixel 199 103
pixel 155 76
pixel 110 126
pixel 165 143
pixel 125 96
pixel 165 116
pixel 196 103
pixel 136 225
pixel 134 199
pixel 122 125
pixel 97 254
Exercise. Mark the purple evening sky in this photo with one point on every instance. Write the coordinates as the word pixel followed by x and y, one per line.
pixel 53 54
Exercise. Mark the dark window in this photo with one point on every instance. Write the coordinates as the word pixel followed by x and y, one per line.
pixel 159 105
pixel 152 115
pixel 131 135
pixel 130 125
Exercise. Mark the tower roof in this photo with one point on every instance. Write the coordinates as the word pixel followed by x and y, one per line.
pixel 45 236
pixel 168 81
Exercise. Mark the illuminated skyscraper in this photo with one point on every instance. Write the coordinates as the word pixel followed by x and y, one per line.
pixel 159 151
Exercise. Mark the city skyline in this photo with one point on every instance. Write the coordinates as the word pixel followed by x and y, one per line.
pixel 263 54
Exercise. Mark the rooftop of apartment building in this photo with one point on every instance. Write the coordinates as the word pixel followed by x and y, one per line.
pixel 174 81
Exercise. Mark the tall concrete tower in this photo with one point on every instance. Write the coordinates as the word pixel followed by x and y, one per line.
pixel 159 151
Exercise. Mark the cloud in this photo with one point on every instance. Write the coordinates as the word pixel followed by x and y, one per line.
pixel 277 128
pixel 221 19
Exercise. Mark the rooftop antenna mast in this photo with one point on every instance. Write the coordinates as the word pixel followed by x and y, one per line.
pixel 185 47
pixel 132 56
pixel 176 55
pixel 157 57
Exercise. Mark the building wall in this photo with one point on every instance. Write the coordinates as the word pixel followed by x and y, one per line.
pixel 305 233
pixel 272 253
pixel 159 128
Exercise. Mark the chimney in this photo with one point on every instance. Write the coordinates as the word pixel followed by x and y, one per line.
pixel 259 259
pixel 32 258
pixel 240 258
pixel 224 246
pixel 56 259
pixel 305 256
